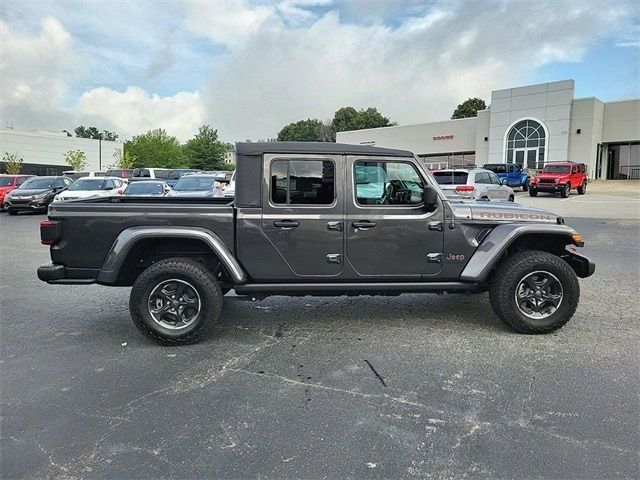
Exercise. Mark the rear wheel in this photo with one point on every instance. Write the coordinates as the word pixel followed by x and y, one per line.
pixel 533 192
pixel 534 292
pixel 582 189
pixel 565 191
pixel 173 299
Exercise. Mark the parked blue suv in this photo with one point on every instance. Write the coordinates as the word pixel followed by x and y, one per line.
pixel 512 173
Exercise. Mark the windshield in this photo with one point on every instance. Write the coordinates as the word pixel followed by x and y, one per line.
pixel 176 174
pixel 37 183
pixel 194 183
pixel 556 169
pixel 451 178
pixel 497 168
pixel 6 181
pixel 87 184
pixel 145 188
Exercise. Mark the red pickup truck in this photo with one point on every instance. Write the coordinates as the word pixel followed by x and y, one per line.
pixel 560 178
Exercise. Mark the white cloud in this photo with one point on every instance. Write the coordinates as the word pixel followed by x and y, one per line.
pixel 35 69
pixel 134 111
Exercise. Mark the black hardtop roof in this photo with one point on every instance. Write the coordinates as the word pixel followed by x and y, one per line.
pixel 258 149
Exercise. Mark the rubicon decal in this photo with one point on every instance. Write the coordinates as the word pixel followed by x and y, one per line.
pixel 515 216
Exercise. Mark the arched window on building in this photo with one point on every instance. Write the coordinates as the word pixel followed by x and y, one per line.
pixel 526 143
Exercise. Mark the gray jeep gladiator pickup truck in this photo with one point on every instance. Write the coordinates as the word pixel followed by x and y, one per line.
pixel 315 219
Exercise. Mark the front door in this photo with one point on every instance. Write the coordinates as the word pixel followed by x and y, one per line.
pixel 389 233
pixel 302 214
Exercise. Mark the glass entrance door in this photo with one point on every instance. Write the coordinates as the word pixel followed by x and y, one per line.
pixel 525 157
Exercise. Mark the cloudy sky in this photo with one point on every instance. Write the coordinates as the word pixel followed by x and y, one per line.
pixel 250 67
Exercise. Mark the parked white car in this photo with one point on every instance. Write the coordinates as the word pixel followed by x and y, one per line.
pixel 86 187
pixel 473 184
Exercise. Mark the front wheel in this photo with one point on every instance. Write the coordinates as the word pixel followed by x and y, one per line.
pixel 511 198
pixel 13 212
pixel 565 191
pixel 173 299
pixel 533 192
pixel 582 189
pixel 525 185
pixel 534 292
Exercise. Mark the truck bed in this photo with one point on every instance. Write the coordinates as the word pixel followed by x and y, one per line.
pixel 90 226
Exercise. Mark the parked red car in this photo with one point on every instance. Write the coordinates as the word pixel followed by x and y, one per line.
pixel 9 183
pixel 560 178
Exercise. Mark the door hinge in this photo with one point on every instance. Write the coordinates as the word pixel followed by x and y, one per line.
pixel 334 258
pixel 434 257
pixel 435 226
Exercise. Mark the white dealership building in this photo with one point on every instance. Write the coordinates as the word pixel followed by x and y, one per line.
pixel 43 152
pixel 530 125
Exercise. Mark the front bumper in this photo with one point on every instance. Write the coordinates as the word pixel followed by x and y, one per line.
pixel 583 266
pixel 27 205
pixel 548 188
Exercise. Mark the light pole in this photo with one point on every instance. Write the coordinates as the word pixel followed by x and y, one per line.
pixel 100 152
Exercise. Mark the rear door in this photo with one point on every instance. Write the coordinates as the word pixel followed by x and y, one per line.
pixel 390 234
pixel 302 214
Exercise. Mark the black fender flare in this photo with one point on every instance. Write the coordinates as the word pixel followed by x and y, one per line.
pixel 129 237
pixel 502 237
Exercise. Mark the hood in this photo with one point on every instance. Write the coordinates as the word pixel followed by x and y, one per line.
pixel 190 193
pixel 80 193
pixel 24 192
pixel 502 212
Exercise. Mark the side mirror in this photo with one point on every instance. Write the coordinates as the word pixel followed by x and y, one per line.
pixel 429 196
pixel 504 182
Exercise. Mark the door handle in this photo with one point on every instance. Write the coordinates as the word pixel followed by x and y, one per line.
pixel 286 224
pixel 335 226
pixel 363 225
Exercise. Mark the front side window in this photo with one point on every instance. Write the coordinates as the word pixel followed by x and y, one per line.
pixel 87 184
pixel 302 182
pixel 387 183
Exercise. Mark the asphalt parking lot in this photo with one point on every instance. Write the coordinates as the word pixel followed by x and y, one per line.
pixel 366 387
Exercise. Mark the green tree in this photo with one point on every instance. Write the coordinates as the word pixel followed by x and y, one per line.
pixel 122 159
pixel 205 151
pixel 13 162
pixel 469 108
pixel 156 149
pixel 348 118
pixel 303 131
pixel 76 159
pixel 93 132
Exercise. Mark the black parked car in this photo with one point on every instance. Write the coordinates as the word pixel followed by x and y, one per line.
pixel 35 194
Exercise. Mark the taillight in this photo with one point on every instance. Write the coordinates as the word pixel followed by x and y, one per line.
pixel 465 188
pixel 49 232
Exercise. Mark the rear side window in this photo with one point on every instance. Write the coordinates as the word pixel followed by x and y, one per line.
pixel 302 182
pixel 387 183
pixel 161 173
pixel 451 178
pixel 482 177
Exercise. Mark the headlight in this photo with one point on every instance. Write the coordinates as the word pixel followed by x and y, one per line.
pixel 57 198
pixel 41 196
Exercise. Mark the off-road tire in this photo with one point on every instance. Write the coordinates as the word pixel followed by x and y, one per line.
pixel 565 191
pixel 533 192
pixel 504 281
pixel 186 269
pixel 525 186
pixel 13 212
pixel 582 189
